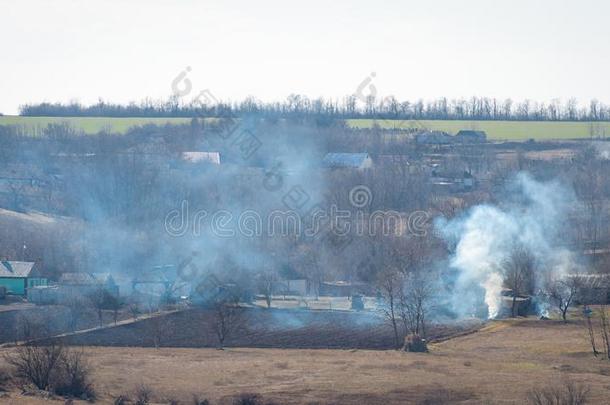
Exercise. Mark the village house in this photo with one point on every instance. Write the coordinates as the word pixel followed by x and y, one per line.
pixel 161 281
pixel 86 283
pixel 433 138
pixel 594 289
pixel 470 136
pixel 17 277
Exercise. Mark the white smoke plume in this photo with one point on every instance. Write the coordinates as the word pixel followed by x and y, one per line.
pixel 532 216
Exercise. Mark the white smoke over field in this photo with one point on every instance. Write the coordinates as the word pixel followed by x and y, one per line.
pixel 532 216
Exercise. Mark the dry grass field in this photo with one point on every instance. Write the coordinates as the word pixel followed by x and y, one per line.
pixel 497 365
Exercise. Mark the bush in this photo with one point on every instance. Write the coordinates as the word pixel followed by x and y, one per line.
pixel 121 400
pixel 72 377
pixel 52 368
pixel 199 401
pixel 143 395
pixel 36 364
pixel 564 394
pixel 250 399
pixel 5 379
pixel 414 343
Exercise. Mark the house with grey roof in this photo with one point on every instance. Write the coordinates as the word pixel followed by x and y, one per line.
pixel 16 276
pixel 470 136
pixel 433 138
pixel 82 284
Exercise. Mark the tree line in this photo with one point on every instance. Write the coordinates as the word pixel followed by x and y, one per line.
pixel 350 107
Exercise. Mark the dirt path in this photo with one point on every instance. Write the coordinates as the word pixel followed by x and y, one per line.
pixel 96 328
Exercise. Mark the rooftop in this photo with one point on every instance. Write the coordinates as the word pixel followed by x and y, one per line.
pixel 16 269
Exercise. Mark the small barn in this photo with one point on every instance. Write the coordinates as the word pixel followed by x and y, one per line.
pixel 16 277
pixel 433 138
pixel 594 288
pixel 471 136
pixel 162 280
pixel 347 161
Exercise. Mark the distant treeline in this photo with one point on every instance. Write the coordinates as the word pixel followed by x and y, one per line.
pixel 352 107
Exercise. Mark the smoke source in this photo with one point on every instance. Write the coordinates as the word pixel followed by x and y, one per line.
pixel 484 237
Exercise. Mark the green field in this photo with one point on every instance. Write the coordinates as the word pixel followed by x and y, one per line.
pixel 89 125
pixel 502 130
pixel 496 130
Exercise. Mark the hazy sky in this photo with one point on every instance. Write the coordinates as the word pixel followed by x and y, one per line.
pixel 123 50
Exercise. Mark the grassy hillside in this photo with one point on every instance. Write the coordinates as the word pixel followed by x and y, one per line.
pixel 502 130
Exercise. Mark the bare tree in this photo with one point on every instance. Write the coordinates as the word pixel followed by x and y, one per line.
pixel 416 296
pixel 31 327
pixel 77 307
pixel 605 329
pixel 390 284
pixel 561 291
pixel 134 309
pixel 228 319
pixel 158 329
pixel 265 281
pixel 98 302
pixel 519 269
pixel 588 314
pixel 114 304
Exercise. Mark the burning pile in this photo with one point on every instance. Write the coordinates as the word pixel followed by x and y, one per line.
pixel 486 237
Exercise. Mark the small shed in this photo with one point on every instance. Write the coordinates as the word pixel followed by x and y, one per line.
pixel 347 161
pixel 16 277
pixel 433 138
pixel 471 136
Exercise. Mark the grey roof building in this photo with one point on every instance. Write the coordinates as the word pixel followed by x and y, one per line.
pixel 471 136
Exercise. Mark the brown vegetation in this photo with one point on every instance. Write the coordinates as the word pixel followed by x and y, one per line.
pixel 501 363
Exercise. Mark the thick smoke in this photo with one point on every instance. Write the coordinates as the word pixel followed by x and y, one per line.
pixel 534 217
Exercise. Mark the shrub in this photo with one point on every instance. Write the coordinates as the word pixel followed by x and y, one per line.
pixel 36 364
pixel 199 401
pixel 5 379
pixel 143 395
pixel 248 399
pixel 121 400
pixel 72 377
pixel 52 368
pixel 568 393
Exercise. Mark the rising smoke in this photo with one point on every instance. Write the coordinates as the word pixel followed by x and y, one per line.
pixel 533 217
